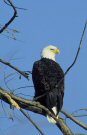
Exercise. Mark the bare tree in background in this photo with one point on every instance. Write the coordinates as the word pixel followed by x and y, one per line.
pixel 23 104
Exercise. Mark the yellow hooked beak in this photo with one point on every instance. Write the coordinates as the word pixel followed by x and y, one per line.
pixel 56 51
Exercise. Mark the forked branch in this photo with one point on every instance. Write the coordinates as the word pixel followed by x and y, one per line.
pixel 12 18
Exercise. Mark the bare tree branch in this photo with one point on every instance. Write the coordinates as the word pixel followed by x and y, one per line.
pixel 34 107
pixel 64 128
pixel 80 45
pixel 74 120
pixel 29 118
pixel 26 75
pixel 12 18
pixel 14 104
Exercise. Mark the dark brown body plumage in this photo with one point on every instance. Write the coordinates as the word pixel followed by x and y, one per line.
pixel 46 75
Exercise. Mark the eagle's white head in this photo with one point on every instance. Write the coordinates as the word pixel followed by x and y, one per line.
pixel 50 52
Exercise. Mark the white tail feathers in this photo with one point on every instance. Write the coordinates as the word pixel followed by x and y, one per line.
pixel 50 119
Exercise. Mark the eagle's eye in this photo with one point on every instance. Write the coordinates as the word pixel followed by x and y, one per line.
pixel 51 49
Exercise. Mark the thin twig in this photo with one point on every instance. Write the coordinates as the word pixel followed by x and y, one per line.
pixel 80 45
pixel 23 87
pixel 76 111
pixel 6 84
pixel 10 29
pixel 80 115
pixel 15 7
pixel 83 109
pixel 23 95
pixel 12 18
pixel 3 108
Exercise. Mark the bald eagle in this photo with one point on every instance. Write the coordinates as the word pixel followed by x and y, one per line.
pixel 46 75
